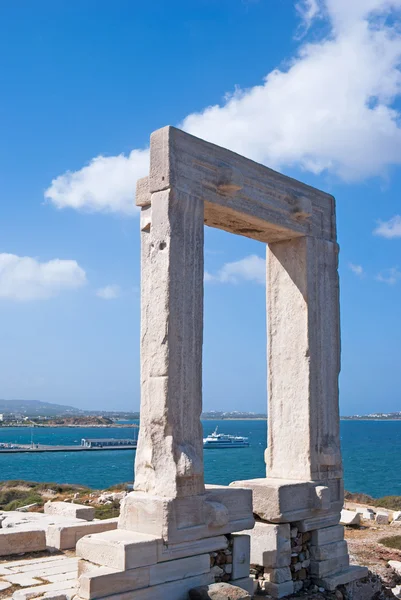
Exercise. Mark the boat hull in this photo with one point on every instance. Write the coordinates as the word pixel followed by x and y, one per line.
pixel 225 445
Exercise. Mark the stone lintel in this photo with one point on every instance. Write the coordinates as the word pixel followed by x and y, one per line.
pixel 285 501
pixel 220 510
pixel 241 196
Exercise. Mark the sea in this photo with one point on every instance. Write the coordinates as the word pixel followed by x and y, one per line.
pixel 371 456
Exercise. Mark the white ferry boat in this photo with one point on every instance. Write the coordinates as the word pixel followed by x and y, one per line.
pixel 221 440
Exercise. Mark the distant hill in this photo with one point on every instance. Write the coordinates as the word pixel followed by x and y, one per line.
pixel 36 408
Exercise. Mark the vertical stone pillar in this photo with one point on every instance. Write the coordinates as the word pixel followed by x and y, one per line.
pixel 303 360
pixel 169 457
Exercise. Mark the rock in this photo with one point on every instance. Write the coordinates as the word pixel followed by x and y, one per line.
pixel 397 515
pixel 367 515
pixel 396 565
pixel 349 517
pixel 217 571
pixel 218 591
pixel 382 518
pixel 76 511
pixel 397 591
pixel 294 532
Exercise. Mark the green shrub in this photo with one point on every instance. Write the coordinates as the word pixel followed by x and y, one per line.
pixel 391 502
pixel 107 511
pixel 391 542
pixel 14 499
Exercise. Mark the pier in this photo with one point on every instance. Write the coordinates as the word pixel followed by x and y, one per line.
pixel 87 445
pixel 43 448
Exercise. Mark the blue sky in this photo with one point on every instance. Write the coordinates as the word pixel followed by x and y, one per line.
pixel 311 88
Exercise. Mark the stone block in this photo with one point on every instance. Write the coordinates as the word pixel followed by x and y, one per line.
pixel 241 545
pixel 67 588
pixel 349 517
pixel 327 535
pixel 119 549
pixel 65 537
pixel 396 565
pixel 270 545
pixel 328 551
pixel 67 509
pixel 103 581
pixel 280 575
pixel 318 522
pixel 17 541
pixel 185 519
pixel 183 549
pixel 219 591
pixel 352 573
pixel 179 569
pixel 22 579
pixel 367 515
pixel 397 515
pixel 4 586
pixel 245 583
pixel 323 568
pixel 175 590
pixel 382 518
pixel 281 500
pixel 278 590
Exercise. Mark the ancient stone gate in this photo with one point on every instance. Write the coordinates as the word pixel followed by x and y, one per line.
pixel 172 525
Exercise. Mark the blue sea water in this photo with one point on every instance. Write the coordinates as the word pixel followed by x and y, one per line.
pixel 371 456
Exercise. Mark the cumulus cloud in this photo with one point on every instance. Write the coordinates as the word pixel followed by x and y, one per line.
pixel 389 229
pixel 250 268
pixel 390 276
pixel 330 109
pixel 357 269
pixel 25 278
pixel 109 292
pixel 106 184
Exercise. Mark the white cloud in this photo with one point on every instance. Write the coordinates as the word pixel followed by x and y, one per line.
pixel 330 109
pixel 308 10
pixel 390 276
pixel 25 278
pixel 357 269
pixel 109 292
pixel 389 229
pixel 106 184
pixel 250 268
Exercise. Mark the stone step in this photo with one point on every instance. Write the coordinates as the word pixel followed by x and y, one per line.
pixel 66 536
pixel 103 581
pixel 353 573
pixel 175 590
pixel 15 542
pixel 119 549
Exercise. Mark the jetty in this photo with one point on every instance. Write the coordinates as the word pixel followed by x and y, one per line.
pixel 87 445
